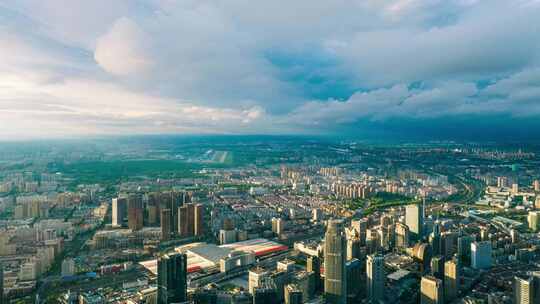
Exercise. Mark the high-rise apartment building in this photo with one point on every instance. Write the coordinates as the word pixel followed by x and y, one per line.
pixel 166 230
pixel 172 279
pixel 335 285
pixel 199 220
pixel 534 220
pixel 135 212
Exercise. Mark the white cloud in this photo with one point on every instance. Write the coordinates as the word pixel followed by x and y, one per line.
pixel 122 51
pixel 207 66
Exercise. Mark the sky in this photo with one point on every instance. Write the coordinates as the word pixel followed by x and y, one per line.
pixel 434 68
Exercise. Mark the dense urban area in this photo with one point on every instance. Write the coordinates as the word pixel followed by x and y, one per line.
pixel 250 219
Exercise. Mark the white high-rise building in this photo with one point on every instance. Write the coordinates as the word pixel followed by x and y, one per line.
pixel 414 220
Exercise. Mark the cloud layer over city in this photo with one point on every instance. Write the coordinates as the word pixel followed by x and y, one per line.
pixel 248 67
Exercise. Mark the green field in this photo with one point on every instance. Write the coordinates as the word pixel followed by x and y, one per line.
pixel 105 172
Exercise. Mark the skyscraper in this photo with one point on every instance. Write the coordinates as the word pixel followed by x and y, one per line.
pixel 464 249
pixel 431 290
pixel 335 284
pixel 172 278
pixel 153 208
pixel 451 279
pixel 375 278
pixel 293 295
pixel 437 266
pixel 402 235
pixel 415 221
pixel 353 248
pixel 199 218
pixel 523 290
pixel 481 255
pixel 361 227
pixel 183 229
pixel 264 295
pixel 166 230
pixel 190 219
pixel 119 211
pixel 314 265
pixel 135 212
pixel 534 220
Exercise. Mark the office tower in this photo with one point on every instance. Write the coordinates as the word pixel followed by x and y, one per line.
pixel 481 255
pixel 536 185
pixel 449 244
pixel 166 230
pixel 534 220
pixel 402 236
pixel 278 226
pixel 172 278
pixel 375 278
pixel 135 212
pixel 335 284
pixel 431 290
pixel 523 290
pixel 353 248
pixel 119 211
pixel 278 280
pixel 437 267
pixel 354 278
pixel 203 296
pixel 415 221
pixel 451 279
pixel 256 278
pixel 314 265
pixel 293 295
pixel 361 227
pixel 199 218
pixel 464 249
pixel 263 295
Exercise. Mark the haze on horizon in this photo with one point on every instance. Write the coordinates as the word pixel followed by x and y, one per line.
pixel 402 68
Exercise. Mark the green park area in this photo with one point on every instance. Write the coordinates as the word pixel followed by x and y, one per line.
pixel 379 201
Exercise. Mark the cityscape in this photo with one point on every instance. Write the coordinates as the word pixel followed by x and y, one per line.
pixel 258 219
pixel 270 152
